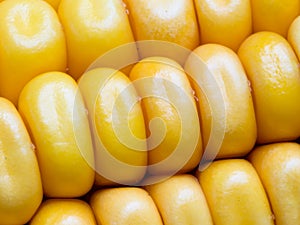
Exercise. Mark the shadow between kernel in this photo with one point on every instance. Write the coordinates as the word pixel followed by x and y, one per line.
pixel 126 55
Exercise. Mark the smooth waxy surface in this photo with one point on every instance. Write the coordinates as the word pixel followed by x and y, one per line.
pixel 180 200
pixel 93 28
pixel 174 140
pixel 224 22
pixel 126 206
pixel 232 110
pixel 274 15
pixel 235 193
pixel 32 42
pixel 118 126
pixel 273 71
pixel 64 211
pixel 20 184
pixel 56 117
pixel 278 166
pixel 165 20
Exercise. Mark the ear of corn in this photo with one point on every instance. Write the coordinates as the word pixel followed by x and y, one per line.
pixel 149 112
